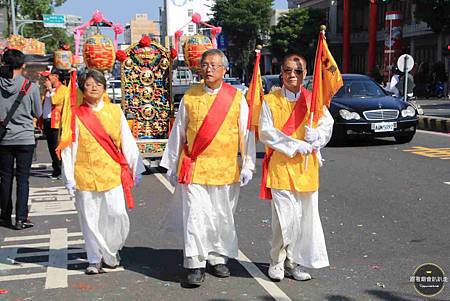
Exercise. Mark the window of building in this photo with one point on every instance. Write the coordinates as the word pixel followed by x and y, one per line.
pixel 190 12
pixel 191 28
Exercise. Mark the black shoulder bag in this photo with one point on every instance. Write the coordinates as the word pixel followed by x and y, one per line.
pixel 23 91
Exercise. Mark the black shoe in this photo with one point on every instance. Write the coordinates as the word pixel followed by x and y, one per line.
pixel 220 270
pixel 20 225
pixel 6 222
pixel 195 277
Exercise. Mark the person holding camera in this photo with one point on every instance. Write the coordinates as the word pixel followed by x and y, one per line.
pixel 19 104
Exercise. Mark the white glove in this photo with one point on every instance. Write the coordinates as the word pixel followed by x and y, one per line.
pixel 246 176
pixel 70 186
pixel 137 179
pixel 172 177
pixel 311 134
pixel 304 148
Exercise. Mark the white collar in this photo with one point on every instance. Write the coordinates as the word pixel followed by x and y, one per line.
pixel 98 106
pixel 290 96
pixel 212 91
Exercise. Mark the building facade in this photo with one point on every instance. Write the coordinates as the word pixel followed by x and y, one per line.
pixel 418 39
pixel 139 26
pixel 176 13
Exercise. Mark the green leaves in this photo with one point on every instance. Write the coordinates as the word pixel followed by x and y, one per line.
pixel 296 32
pixel 244 22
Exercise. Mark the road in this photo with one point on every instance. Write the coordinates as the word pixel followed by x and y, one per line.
pixel 384 209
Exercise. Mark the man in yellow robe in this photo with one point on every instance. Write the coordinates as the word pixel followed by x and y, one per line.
pixel 209 175
pixel 51 113
pixel 297 235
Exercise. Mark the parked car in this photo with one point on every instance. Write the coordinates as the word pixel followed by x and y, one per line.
pixel 236 82
pixel 362 108
pixel 114 90
pixel 270 82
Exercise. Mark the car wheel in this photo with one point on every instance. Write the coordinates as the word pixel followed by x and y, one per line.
pixel 405 138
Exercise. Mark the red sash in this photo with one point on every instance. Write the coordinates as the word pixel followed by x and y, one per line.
pixel 96 129
pixel 207 131
pixel 296 118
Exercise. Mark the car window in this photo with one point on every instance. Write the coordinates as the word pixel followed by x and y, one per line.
pixel 360 88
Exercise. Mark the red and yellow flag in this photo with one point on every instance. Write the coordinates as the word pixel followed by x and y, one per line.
pixel 255 95
pixel 68 118
pixel 327 79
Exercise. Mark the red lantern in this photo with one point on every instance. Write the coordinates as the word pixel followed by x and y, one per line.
pixel 193 49
pixel 99 53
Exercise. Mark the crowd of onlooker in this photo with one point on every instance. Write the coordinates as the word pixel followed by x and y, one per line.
pixel 423 80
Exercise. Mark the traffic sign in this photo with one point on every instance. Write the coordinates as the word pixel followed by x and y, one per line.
pixel 54 21
pixel 405 61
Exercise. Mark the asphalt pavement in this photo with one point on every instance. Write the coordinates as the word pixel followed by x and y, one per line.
pixel 384 208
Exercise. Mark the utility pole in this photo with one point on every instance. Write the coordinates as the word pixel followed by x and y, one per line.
pixel 13 17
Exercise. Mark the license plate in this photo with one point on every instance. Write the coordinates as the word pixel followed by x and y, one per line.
pixel 384 126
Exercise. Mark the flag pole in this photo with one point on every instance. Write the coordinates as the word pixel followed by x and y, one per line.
pixel 250 102
pixel 316 74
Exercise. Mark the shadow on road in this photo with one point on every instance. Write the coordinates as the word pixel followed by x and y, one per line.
pixel 338 298
pixel 167 264
pixel 364 142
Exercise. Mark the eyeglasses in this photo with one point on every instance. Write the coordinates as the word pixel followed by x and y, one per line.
pixel 212 67
pixel 297 71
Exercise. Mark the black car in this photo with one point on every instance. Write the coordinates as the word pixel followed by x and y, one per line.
pixel 270 82
pixel 362 108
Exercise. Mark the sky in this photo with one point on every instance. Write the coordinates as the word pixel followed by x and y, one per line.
pixel 120 13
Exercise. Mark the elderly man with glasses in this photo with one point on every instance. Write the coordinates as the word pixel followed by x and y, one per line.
pixel 202 161
pixel 297 235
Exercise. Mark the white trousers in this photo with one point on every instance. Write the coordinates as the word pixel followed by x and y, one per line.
pixel 208 223
pixel 104 223
pixel 297 233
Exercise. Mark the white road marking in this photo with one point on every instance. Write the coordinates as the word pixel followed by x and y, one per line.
pixel 165 182
pixel 42 236
pixel 434 133
pixel 256 273
pixel 57 260
pixel 259 276
pixel 43 244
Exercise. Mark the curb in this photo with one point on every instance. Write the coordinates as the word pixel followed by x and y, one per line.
pixel 433 123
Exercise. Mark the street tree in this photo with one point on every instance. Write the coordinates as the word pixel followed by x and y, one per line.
pixel 296 31
pixel 33 10
pixel 436 13
pixel 244 22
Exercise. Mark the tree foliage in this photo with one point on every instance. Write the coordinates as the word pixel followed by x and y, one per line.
pixel 244 22
pixel 33 10
pixel 436 13
pixel 297 32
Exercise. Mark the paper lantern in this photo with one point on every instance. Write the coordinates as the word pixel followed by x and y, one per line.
pixel 63 59
pixel 193 48
pixel 99 53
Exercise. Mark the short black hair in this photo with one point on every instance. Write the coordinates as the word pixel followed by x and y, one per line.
pixel 95 75
pixel 12 59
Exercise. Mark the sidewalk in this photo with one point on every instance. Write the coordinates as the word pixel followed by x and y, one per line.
pixel 436 115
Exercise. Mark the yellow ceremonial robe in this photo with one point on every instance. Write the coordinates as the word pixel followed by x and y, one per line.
pixel 218 164
pixel 289 173
pixel 95 170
